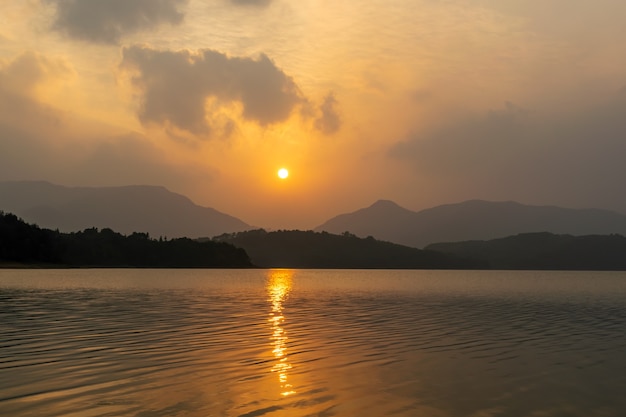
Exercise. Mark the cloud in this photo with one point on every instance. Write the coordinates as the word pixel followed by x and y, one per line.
pixel 137 161
pixel 464 145
pixel 20 79
pixel 176 86
pixel 28 70
pixel 39 141
pixel 107 21
pixel 329 121
pixel 251 2
pixel 564 16
pixel 512 153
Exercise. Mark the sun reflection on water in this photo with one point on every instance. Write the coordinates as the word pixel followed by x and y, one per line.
pixel 278 286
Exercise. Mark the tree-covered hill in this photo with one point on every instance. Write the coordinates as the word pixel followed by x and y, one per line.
pixel 544 251
pixel 308 249
pixel 21 243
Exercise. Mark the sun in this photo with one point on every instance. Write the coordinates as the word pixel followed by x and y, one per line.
pixel 283 173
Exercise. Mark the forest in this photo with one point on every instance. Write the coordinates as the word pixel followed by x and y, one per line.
pixel 24 244
pixel 309 249
pixel 544 251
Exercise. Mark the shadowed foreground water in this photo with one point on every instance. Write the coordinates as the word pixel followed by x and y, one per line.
pixel 251 343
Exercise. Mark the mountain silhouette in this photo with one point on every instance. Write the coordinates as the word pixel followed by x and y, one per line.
pixel 127 209
pixel 24 245
pixel 308 249
pixel 471 220
pixel 543 251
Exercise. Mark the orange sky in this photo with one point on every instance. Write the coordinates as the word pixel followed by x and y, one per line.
pixel 416 101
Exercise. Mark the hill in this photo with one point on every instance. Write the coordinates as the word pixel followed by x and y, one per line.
pixel 308 249
pixel 544 251
pixel 24 244
pixel 471 220
pixel 140 208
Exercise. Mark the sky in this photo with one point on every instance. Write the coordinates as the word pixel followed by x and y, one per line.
pixel 423 102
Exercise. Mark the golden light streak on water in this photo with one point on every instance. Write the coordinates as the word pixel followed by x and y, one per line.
pixel 278 287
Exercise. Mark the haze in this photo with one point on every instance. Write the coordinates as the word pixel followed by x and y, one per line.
pixel 421 102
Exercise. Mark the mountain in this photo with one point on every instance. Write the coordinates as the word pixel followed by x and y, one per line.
pixel 543 251
pixel 308 249
pixel 471 220
pixel 24 245
pixel 137 208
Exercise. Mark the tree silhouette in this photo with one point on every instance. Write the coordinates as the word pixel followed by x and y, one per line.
pixel 28 244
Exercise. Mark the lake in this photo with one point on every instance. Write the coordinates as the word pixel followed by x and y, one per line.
pixel 250 343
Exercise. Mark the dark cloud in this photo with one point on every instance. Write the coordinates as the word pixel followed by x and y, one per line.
pixel 511 153
pixel 329 121
pixel 176 86
pixel 107 21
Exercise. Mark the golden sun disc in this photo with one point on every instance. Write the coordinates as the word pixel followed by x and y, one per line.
pixel 283 173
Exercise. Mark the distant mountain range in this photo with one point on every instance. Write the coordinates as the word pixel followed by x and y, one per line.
pixel 28 246
pixel 141 208
pixel 543 251
pixel 471 220
pixel 159 212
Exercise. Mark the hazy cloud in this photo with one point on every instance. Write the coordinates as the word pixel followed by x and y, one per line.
pixel 564 17
pixel 251 2
pixel 137 161
pixel 576 159
pixel 468 144
pixel 107 21
pixel 22 74
pixel 329 121
pixel 177 85
pixel 19 80
pixel 48 153
pixel 38 141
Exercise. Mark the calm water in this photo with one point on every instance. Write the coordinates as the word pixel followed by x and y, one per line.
pixel 252 343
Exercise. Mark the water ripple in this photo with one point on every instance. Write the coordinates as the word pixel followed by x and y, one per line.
pixel 286 344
